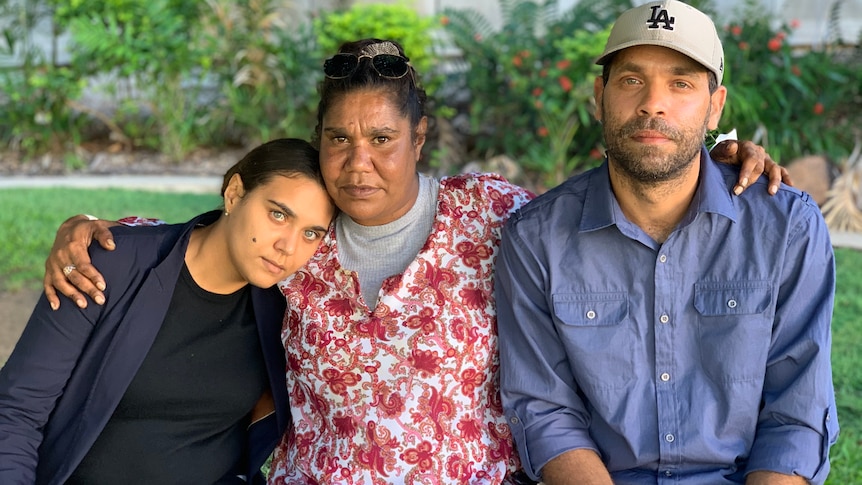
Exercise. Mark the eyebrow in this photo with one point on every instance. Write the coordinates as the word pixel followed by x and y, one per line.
pixel 373 130
pixel 290 213
pixel 677 70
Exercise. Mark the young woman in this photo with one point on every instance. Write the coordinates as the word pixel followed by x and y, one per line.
pixel 173 379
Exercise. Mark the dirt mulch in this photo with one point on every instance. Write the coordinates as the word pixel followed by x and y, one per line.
pixel 15 309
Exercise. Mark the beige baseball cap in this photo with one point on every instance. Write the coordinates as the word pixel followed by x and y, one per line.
pixel 671 24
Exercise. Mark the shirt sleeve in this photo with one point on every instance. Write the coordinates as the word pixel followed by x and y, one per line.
pixel 540 398
pixel 133 221
pixel 32 381
pixel 798 420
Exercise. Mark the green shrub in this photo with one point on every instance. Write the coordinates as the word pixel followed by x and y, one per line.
pixel 152 43
pixel 36 97
pixel 792 103
pixel 530 82
pixel 265 64
pixel 398 22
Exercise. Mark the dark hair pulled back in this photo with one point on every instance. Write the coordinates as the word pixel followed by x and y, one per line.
pixel 287 157
pixel 406 92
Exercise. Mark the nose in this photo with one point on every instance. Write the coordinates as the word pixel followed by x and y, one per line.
pixel 652 101
pixel 287 242
pixel 359 158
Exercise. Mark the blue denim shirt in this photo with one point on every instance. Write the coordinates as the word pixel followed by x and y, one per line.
pixel 700 359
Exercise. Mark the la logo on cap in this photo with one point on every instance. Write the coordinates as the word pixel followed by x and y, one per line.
pixel 660 16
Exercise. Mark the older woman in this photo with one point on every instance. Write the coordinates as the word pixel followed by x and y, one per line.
pixel 390 332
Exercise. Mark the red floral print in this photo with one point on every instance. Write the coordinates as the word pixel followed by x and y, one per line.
pixel 405 392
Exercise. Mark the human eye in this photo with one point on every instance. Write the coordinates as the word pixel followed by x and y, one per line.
pixel 312 235
pixel 631 81
pixel 682 84
pixel 339 139
pixel 278 215
pixel 381 139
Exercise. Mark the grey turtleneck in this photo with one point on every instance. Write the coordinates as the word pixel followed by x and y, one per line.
pixel 378 252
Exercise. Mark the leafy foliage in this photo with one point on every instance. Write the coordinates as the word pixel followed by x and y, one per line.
pixel 792 102
pixel 263 59
pixel 397 21
pixel 151 42
pixel 35 99
pixel 530 82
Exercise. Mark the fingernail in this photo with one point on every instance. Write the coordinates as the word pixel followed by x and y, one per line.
pixel 81 303
pixel 111 243
pixel 101 286
pixel 737 190
pixel 773 189
pixel 54 306
pixel 100 300
pixel 744 182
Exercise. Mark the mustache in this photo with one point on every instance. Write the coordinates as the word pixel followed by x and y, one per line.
pixel 652 124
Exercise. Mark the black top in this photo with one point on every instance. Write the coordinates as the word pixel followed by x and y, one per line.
pixel 184 416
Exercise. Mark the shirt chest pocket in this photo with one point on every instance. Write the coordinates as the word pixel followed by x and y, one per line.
pixel 734 328
pixel 599 345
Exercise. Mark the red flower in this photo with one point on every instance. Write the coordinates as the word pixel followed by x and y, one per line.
pixel 426 362
pixel 538 104
pixel 743 46
pixel 818 108
pixel 564 64
pixel 543 73
pixel 795 70
pixel 542 131
pixel 344 426
pixel 422 456
pixel 565 83
pixel 774 44
pixel 537 91
pixel 517 61
pixel 525 53
pixel 477 37
pixel 794 24
pixel 596 154
pixel 736 30
pixel 444 20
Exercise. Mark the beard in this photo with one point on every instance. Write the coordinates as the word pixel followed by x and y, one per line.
pixel 650 164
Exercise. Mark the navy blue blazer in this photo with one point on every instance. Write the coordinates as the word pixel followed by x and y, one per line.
pixel 71 367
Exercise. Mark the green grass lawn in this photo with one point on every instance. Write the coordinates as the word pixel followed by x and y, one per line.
pixel 29 218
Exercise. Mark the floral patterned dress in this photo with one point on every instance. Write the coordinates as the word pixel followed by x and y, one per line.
pixel 406 393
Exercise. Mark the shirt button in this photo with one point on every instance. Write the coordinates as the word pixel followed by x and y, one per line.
pixel 669 438
pixel 664 319
pixel 591 314
pixel 662 258
pixel 665 377
pixel 668 473
pixel 513 420
pixel 731 303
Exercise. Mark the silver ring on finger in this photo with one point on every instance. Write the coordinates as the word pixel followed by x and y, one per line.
pixel 67 270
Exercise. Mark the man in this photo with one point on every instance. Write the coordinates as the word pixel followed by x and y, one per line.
pixel 653 327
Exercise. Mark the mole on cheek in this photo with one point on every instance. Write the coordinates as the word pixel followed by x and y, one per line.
pixel 254 239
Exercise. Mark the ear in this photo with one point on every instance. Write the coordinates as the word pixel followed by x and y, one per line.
pixel 419 136
pixel 598 91
pixel 716 101
pixel 233 193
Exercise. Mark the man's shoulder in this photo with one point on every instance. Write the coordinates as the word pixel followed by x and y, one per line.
pixel 569 196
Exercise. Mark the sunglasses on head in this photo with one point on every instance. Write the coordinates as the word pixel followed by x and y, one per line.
pixel 389 66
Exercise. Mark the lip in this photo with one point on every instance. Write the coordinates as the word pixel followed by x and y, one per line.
pixel 272 266
pixel 359 191
pixel 650 136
